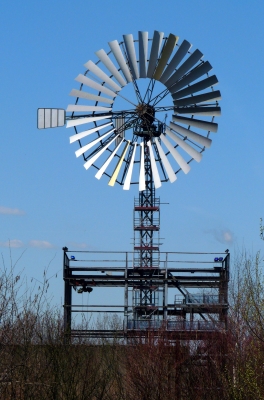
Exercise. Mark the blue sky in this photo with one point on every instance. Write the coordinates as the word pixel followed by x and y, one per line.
pixel 48 200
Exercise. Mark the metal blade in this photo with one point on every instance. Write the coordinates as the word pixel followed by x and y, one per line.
pixel 197 87
pixel 81 121
pixel 177 157
pixel 99 174
pixel 89 96
pixel 130 169
pixel 176 59
pixel 192 76
pixel 83 149
pixel 114 176
pixel 154 169
pixel 203 141
pixel 165 55
pixel 114 46
pixel 81 135
pixel 89 82
pixel 209 111
pixel 185 146
pixel 98 72
pixel 143 53
pixel 171 175
pixel 185 67
pixel 97 155
pixel 76 107
pixel 142 182
pixel 154 53
pixel 131 54
pixel 101 54
pixel 207 126
pixel 210 96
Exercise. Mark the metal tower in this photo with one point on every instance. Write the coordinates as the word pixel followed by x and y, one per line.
pixel 146 246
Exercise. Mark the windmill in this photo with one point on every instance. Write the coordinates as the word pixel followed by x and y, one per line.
pixel 154 80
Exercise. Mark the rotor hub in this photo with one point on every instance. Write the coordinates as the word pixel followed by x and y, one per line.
pixel 146 113
pixel 145 126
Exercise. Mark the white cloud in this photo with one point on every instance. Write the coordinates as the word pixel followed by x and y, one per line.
pixel 228 237
pixel 224 236
pixel 11 211
pixel 41 244
pixel 14 243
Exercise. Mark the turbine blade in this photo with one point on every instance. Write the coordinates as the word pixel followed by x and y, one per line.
pixel 197 87
pixel 83 149
pixel 171 175
pixel 192 76
pixel 101 54
pixel 154 53
pixel 143 53
pixel 203 141
pixel 98 72
pixel 142 182
pixel 209 111
pixel 97 155
pixel 99 174
pixel 165 55
pixel 81 135
pixel 94 85
pixel 131 54
pixel 185 67
pixel 185 146
pixel 130 169
pixel 177 157
pixel 207 126
pixel 76 107
pixel 201 98
pixel 154 169
pixel 176 59
pixel 89 96
pixel 80 121
pixel 114 46
pixel 114 176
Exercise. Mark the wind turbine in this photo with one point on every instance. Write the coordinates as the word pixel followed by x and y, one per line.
pixel 154 80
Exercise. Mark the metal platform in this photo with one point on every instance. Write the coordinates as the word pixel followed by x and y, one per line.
pixel 189 293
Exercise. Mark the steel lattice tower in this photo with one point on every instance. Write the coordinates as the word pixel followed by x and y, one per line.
pixel 146 245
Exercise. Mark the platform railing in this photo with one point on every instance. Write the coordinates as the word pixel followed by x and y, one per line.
pixel 176 325
pixel 198 298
